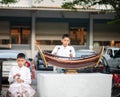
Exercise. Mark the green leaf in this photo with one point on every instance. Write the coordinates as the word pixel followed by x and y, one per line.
pixel 8 1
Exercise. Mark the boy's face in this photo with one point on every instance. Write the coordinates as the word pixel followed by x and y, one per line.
pixel 21 61
pixel 65 41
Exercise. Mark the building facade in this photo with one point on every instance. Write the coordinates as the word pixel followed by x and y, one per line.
pixel 27 23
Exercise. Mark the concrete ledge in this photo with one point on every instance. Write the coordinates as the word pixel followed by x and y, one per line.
pixel 74 85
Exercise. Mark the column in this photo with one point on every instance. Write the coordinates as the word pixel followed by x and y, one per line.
pixel 33 36
pixel 91 32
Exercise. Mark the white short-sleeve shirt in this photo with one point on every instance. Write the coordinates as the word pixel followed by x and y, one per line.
pixel 60 50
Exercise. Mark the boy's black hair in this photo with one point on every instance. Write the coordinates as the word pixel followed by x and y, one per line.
pixel 21 55
pixel 65 35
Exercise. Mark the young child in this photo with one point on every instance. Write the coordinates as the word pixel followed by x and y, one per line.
pixel 20 79
pixel 64 50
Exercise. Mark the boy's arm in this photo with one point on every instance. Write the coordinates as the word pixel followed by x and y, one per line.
pixel 28 79
pixel 55 50
pixel 72 51
pixel 11 76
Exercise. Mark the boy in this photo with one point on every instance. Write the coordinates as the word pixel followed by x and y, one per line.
pixel 20 79
pixel 64 50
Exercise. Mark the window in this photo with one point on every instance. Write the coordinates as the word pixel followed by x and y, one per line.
pixel 20 35
pixel 78 36
pixel 4 41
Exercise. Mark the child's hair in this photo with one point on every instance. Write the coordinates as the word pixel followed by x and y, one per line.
pixel 65 36
pixel 21 55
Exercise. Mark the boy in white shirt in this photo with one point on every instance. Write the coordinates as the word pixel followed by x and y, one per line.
pixel 64 50
pixel 20 79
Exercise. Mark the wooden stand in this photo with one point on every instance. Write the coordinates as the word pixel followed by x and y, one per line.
pixel 71 71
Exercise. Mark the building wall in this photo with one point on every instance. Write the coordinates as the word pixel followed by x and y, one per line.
pixel 52 24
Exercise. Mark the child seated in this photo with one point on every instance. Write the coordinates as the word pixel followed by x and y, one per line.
pixel 20 79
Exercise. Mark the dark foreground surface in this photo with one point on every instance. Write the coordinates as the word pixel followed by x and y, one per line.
pixel 116 92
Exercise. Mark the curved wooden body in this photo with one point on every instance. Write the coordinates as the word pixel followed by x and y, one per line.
pixel 72 63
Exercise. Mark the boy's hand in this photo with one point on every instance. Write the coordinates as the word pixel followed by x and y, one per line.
pixel 16 75
pixel 71 55
pixel 19 80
